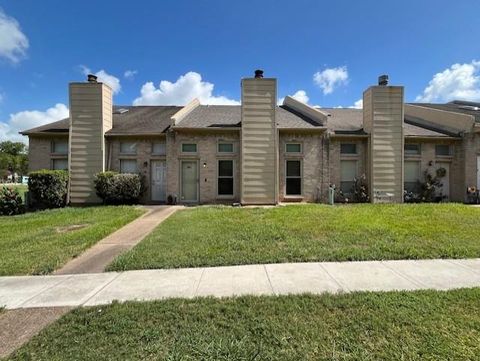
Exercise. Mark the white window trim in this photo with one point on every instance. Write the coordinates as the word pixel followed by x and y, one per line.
pixel 301 179
pixel 450 150
pixel 226 196
pixel 159 154
pixel 188 153
pixel 293 153
pixel 225 142
pixel 128 153
pixel 413 154
pixel 128 159
pixel 349 154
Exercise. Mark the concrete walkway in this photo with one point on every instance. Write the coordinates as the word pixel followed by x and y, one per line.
pixel 270 279
pixel 99 256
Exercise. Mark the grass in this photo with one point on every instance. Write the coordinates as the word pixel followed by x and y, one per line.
pixel 40 242
pixel 424 325
pixel 213 236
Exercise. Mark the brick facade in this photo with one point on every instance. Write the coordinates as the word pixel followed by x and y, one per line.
pixel 40 152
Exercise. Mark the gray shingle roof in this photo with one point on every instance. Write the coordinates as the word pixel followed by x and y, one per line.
pixel 143 120
pixel 221 116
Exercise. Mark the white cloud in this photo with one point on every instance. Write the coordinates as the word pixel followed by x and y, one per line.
pixel 130 74
pixel 186 88
pixel 28 119
pixel 104 77
pixel 460 81
pixel 331 78
pixel 300 95
pixel 357 105
pixel 13 42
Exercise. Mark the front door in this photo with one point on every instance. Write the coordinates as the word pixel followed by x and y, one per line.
pixel 444 190
pixel 189 192
pixel 159 175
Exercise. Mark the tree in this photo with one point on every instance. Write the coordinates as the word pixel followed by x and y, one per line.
pixel 13 158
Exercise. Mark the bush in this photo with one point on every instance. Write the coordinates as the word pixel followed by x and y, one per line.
pixel 427 190
pixel 10 202
pixel 48 188
pixel 114 188
pixel 357 194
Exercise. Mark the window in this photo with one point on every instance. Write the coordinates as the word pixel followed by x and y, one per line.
pixel 348 172
pixel 128 148
pixel 60 146
pixel 412 149
pixel 293 148
pixel 293 177
pixel 348 148
pixel 60 164
pixel 128 166
pixel 443 150
pixel 189 148
pixel 159 148
pixel 225 147
pixel 411 176
pixel 225 177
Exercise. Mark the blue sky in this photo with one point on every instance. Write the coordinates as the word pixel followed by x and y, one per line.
pixel 326 51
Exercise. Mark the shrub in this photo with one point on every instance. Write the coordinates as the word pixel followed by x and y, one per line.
pixel 48 188
pixel 427 190
pixel 357 194
pixel 10 202
pixel 114 188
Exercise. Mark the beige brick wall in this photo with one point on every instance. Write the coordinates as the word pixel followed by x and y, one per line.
pixel 143 157
pixel 428 161
pixel 335 158
pixel 40 154
pixel 313 185
pixel 206 155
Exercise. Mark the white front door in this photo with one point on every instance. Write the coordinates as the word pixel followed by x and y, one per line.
pixel 444 190
pixel 159 175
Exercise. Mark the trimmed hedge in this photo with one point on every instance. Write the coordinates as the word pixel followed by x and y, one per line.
pixel 11 202
pixel 115 188
pixel 48 188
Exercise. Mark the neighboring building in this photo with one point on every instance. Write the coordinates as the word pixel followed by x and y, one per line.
pixel 258 152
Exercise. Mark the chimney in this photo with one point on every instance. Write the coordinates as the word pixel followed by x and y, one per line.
pixel 383 114
pixel 259 173
pixel 90 117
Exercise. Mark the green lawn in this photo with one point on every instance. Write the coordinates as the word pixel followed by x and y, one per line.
pixel 226 236
pixel 426 325
pixel 40 242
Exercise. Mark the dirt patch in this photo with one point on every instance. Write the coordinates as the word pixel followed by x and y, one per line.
pixel 19 326
pixel 71 228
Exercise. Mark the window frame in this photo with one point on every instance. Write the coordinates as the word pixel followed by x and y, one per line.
pixel 52 147
pixel 128 153
pixel 225 196
pixel 188 143
pixel 293 177
pixel 128 160
pixel 53 160
pixel 406 153
pixel 159 142
pixel 293 143
pixel 419 164
pixel 349 181
pixel 225 142
pixel 450 151
pixel 349 154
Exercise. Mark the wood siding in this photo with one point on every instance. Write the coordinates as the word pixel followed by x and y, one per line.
pixel 90 118
pixel 383 114
pixel 259 180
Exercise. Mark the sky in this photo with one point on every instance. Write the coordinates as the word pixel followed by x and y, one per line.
pixel 324 53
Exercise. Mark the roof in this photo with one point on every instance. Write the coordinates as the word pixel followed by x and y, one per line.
pixel 143 120
pixel 457 106
pixel 222 116
pixel 127 120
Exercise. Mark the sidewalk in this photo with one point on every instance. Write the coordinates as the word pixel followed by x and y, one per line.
pixel 269 279
pixel 100 255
